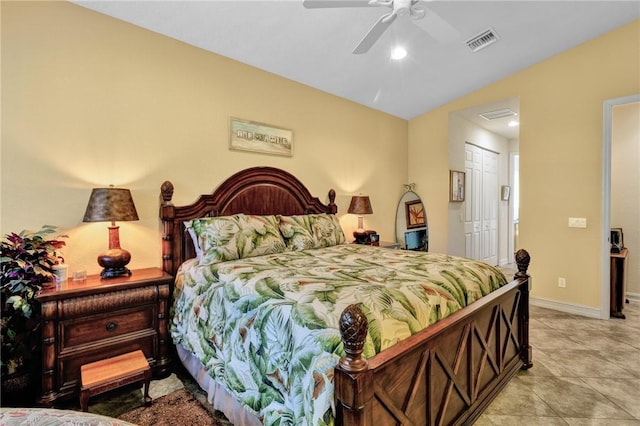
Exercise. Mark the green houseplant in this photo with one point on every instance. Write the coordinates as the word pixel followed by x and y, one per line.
pixel 26 267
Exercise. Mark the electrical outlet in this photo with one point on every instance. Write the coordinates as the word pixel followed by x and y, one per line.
pixel 577 222
pixel 562 282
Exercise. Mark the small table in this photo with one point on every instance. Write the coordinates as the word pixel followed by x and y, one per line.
pixel 111 373
pixel 390 245
pixel 618 282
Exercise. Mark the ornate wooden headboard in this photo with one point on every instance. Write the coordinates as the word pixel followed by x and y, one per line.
pixel 258 190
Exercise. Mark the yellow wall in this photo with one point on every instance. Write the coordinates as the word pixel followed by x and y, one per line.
pixel 561 106
pixel 89 101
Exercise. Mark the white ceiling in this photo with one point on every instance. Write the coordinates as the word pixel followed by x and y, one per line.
pixel 313 46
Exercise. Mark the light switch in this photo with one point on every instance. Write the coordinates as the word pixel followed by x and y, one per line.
pixel 577 222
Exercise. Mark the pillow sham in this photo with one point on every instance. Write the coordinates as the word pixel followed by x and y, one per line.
pixel 259 235
pixel 310 231
pixel 296 231
pixel 214 238
pixel 223 238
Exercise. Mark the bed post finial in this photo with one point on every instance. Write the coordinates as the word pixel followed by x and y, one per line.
pixel 332 201
pixel 353 329
pixel 353 380
pixel 166 191
pixel 522 260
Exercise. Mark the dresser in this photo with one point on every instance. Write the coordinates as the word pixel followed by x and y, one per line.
pixel 93 319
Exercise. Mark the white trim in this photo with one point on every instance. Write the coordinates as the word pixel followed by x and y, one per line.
pixel 510 222
pixel 569 308
pixel 607 119
pixel 633 296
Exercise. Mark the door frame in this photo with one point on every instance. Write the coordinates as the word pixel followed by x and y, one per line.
pixel 511 236
pixel 607 129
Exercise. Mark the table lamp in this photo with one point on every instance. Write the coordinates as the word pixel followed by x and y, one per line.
pixel 360 205
pixel 111 205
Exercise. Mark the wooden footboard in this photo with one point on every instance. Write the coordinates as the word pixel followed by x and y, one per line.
pixel 445 375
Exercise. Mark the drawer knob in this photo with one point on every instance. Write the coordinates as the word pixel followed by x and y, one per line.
pixel 111 326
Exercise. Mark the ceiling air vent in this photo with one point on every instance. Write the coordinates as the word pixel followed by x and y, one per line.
pixel 482 40
pixel 500 113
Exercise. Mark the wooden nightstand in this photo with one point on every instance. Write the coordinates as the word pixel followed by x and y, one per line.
pixel 90 320
pixel 389 245
pixel 383 244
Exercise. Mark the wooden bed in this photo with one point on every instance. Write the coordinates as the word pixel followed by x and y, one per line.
pixel 447 374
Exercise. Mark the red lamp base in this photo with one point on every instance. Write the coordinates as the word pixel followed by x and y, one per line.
pixel 114 273
pixel 114 260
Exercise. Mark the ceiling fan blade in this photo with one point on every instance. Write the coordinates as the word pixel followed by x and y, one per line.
pixel 321 4
pixel 374 33
pixel 438 28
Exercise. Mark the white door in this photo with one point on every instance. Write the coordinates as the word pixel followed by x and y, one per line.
pixel 472 205
pixel 489 207
pixel 481 204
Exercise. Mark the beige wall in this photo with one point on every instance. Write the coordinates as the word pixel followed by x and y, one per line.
pixel 89 101
pixel 561 104
pixel 625 185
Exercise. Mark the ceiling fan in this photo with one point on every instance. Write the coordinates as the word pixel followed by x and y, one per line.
pixel 424 18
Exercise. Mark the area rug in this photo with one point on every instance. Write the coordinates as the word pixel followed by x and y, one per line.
pixel 178 408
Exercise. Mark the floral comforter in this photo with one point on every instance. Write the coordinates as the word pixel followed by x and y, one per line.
pixel 267 327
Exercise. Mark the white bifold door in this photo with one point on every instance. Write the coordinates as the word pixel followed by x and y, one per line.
pixel 481 204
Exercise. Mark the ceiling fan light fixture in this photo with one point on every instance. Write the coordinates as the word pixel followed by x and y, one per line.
pixel 398 53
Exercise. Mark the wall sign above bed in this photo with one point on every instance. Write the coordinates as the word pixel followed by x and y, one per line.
pixel 251 136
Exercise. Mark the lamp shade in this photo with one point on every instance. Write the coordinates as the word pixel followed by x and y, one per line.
pixel 110 205
pixel 360 204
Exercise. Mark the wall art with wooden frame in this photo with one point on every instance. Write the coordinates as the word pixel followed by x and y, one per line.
pixel 415 214
pixel 456 186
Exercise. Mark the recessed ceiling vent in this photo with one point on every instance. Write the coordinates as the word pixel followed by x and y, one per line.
pixel 482 40
pixel 500 113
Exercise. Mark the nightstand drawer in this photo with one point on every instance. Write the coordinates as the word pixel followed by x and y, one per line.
pixel 94 328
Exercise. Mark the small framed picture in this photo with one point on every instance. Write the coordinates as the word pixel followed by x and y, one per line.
pixel 415 214
pixel 456 186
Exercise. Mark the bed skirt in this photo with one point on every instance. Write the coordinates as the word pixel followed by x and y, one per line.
pixel 217 394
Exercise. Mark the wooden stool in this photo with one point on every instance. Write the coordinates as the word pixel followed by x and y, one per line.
pixel 111 373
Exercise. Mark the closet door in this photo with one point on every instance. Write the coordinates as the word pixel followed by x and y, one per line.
pixel 489 207
pixel 481 204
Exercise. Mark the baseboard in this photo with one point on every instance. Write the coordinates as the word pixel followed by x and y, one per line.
pixel 633 296
pixel 569 308
pixel 503 262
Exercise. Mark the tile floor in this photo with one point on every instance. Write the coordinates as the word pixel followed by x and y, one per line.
pixel 585 372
